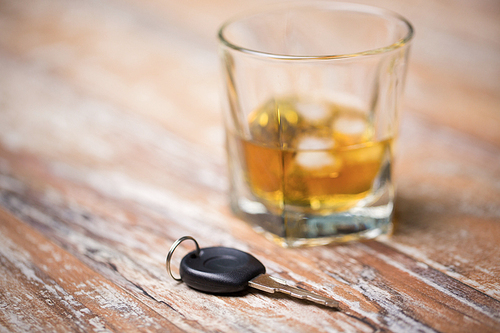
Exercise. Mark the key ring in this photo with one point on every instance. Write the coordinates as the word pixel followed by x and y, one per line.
pixel 171 252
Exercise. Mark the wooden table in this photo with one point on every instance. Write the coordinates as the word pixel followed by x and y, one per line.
pixel 111 147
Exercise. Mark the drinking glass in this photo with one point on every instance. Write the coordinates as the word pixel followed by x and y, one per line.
pixel 311 108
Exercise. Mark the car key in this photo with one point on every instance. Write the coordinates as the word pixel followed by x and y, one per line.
pixel 220 270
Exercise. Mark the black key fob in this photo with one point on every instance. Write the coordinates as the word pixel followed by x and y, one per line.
pixel 219 270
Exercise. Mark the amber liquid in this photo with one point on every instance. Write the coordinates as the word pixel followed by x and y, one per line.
pixel 312 156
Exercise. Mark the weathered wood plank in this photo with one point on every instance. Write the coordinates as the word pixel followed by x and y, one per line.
pixel 44 288
pixel 448 204
pixel 166 207
pixel 432 172
pixel 56 133
pixel 378 287
pixel 111 148
pixel 146 278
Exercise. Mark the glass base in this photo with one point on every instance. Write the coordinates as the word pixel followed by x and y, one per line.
pixel 295 228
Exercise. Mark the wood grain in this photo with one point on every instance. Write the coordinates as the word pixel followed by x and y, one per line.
pixel 40 277
pixel 111 147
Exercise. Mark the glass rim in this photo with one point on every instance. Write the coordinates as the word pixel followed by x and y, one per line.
pixel 327 5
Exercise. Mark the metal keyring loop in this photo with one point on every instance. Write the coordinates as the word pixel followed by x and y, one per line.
pixel 171 252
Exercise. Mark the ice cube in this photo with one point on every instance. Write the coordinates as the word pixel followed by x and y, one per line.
pixel 315 160
pixel 314 153
pixel 350 125
pixel 315 143
pixel 313 112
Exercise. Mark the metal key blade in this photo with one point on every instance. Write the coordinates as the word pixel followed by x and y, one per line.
pixel 271 285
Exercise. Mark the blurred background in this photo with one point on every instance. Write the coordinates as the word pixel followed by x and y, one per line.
pixel 140 55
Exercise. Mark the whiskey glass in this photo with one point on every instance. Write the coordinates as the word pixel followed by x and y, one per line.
pixel 312 101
